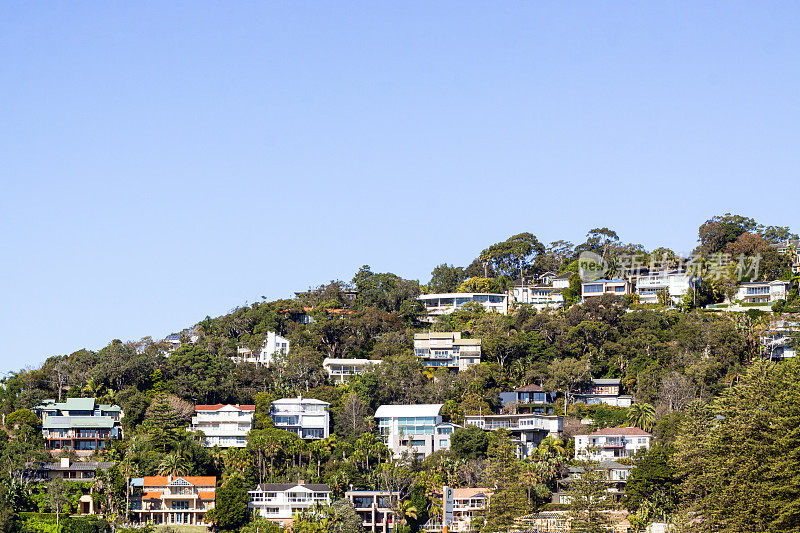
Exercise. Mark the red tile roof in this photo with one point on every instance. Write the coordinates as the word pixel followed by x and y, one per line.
pixel 161 481
pixel 218 406
pixel 630 432
pixel 530 388
pixel 207 495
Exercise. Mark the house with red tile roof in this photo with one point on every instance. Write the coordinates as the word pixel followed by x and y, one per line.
pixel 171 500
pixel 611 443
pixel 226 426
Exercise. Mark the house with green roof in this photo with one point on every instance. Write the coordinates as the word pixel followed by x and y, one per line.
pixel 79 424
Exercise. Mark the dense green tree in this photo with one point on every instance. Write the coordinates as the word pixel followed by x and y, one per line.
pixel 445 278
pixel 230 511
pixel 652 483
pixel 470 442
pixel 514 256
pixel 504 471
pixel 588 497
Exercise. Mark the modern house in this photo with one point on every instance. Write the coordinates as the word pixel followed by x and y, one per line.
pixel 375 507
pixel 447 350
pixel 540 297
pixel 601 287
pixel 341 370
pixel 466 503
pixel 616 475
pixel 79 424
pixel 445 303
pixel 279 502
pixel 272 345
pixel 66 470
pixel 611 443
pixel 306 417
pixel 414 429
pixel 764 292
pixel 174 340
pixel 605 391
pixel 529 398
pixel 224 425
pixel 778 341
pixel 672 284
pixel 183 500
pixel 527 430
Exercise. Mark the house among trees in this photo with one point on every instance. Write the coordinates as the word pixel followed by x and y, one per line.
pixel 447 349
pixel 375 507
pixel 279 502
pixel 273 344
pixel 539 296
pixel 445 303
pixel 414 429
pixel 341 370
pixel 605 391
pixel 79 424
pixel 225 426
pixel 531 398
pixel 611 443
pixel 527 430
pixel 601 287
pixel 665 286
pixel 764 292
pixel 172 500
pixel 616 475
pixel 307 418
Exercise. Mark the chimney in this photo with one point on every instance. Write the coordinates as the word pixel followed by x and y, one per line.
pixel 65 462
pixel 301 481
pixel 169 479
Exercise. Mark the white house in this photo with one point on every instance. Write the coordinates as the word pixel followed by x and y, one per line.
pixel 375 507
pixel 600 287
pixel 605 391
pixel 340 370
pixel 306 417
pixel 674 284
pixel 272 345
pixel 540 297
pixel 765 292
pixel 223 425
pixel 279 502
pixel 611 443
pixel 527 430
pixel 447 350
pixel 445 303
pixel 777 342
pixel 616 476
pixel 415 429
pixel 466 503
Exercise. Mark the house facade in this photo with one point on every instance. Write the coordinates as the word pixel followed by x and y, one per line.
pixel 79 424
pixel 540 297
pixel 272 345
pixel 279 502
pixel 530 398
pixel 342 370
pixel 609 444
pixel 179 500
pixel 765 292
pixel 466 503
pixel 375 507
pixel 527 430
pixel 447 350
pixel 602 287
pixel 672 284
pixel 616 476
pixel 445 303
pixel 414 429
pixel 605 391
pixel 308 418
pixel 226 426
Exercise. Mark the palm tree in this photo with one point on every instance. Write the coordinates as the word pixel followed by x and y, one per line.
pixel 407 510
pixel 173 464
pixel 551 447
pixel 642 415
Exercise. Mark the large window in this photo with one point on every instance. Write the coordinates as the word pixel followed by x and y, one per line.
pixel 595 287
pixel 420 425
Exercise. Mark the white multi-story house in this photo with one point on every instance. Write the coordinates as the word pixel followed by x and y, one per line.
pixel 445 303
pixel 306 417
pixel 778 341
pixel 527 430
pixel 279 502
pixel 375 507
pixel 223 425
pixel 467 504
pixel 273 344
pixel 540 297
pixel 605 391
pixel 341 370
pixel 447 350
pixel 414 429
pixel 765 292
pixel 673 284
pixel 616 476
pixel 611 443
pixel 601 287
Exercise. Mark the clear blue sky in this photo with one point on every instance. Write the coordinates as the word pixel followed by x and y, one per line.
pixel 164 161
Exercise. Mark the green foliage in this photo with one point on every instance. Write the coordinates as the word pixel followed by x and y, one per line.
pixel 230 511
pixel 469 442
pixel 588 498
pixel 652 483
pixel 21 417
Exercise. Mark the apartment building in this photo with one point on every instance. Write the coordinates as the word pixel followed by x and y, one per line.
pixel 764 292
pixel 601 287
pixel 605 391
pixel 414 429
pixel 224 425
pixel 79 424
pixel 445 303
pixel 279 502
pixel 611 443
pixel 461 507
pixel 672 284
pixel 168 500
pixel 447 350
pixel 527 430
pixel 273 344
pixel 375 507
pixel 342 370
pixel 308 418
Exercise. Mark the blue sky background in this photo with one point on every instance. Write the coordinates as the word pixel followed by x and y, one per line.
pixel 164 161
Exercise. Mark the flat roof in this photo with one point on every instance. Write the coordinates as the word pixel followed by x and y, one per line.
pixel 334 361
pixel 394 411
pixel 459 295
